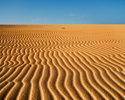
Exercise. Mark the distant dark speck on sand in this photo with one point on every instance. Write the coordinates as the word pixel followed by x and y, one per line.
pixel 63 27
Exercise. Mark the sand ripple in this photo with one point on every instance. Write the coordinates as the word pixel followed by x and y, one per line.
pixel 62 62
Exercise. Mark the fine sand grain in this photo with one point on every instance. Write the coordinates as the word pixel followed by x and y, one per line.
pixel 62 62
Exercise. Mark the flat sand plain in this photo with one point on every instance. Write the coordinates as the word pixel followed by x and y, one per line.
pixel 62 62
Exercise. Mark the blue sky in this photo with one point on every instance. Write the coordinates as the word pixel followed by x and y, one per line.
pixel 62 11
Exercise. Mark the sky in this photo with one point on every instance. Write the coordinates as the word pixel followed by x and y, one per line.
pixel 62 11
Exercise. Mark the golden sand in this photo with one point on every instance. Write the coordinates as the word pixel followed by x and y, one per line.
pixel 62 62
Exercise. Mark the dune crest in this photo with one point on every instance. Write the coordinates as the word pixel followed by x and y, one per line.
pixel 62 62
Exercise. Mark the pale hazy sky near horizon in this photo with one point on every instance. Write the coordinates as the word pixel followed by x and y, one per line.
pixel 62 11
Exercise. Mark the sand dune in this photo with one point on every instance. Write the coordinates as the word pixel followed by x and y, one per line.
pixel 62 62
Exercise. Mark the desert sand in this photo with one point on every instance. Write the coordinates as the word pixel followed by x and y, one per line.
pixel 62 62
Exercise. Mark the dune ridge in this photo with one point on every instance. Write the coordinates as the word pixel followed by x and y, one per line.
pixel 62 62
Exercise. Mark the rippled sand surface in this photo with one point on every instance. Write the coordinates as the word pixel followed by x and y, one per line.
pixel 62 62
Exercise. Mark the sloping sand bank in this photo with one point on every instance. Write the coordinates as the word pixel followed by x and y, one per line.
pixel 62 62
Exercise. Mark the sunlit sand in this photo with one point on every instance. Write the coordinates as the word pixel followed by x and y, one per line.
pixel 62 62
